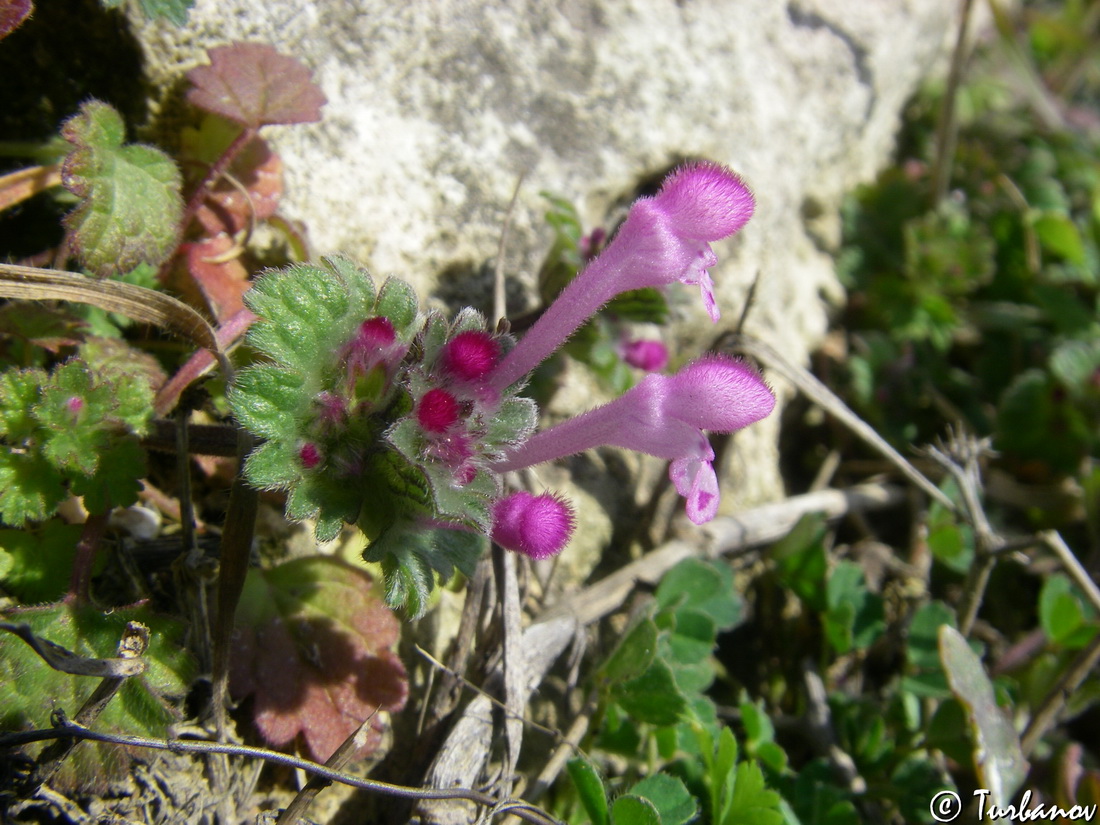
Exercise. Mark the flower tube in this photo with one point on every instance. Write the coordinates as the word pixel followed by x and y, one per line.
pixel 664 239
pixel 664 416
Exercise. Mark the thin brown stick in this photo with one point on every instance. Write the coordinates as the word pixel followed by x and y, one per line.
pixel 132 646
pixel 947 127
pixel 1053 540
pixel 69 730
pixel 344 754
pixel 825 398
pixel 1047 714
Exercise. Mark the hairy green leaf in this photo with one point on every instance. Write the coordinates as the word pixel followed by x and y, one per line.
pixel 130 206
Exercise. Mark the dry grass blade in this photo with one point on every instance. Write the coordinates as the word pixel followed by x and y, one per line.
pixel 138 303
pixel 825 398
pixel 17 186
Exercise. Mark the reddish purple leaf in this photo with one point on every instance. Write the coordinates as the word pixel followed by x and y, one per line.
pixel 313 647
pixel 252 84
pixel 12 15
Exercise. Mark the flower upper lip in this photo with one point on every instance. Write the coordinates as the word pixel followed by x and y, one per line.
pixel 664 239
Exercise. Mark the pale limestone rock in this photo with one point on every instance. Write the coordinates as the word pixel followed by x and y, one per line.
pixel 436 109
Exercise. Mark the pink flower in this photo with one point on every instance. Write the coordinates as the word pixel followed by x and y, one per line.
pixel 537 526
pixel 648 355
pixel 437 411
pixel 470 355
pixel 664 239
pixel 309 455
pixel 664 416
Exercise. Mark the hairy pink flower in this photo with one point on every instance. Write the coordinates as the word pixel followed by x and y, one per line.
pixel 664 416
pixel 648 355
pixel 309 455
pixel 375 343
pixel 537 526
pixel 664 239
pixel 437 411
pixel 470 355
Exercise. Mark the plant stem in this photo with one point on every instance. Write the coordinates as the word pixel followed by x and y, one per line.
pixel 214 173
pixel 81 580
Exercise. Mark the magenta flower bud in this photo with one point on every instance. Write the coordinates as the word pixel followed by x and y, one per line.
pixel 648 355
pixel 437 410
pixel 664 239
pixel 664 416
pixel 470 355
pixel 537 526
pixel 309 455
pixel 74 405
pixel 376 333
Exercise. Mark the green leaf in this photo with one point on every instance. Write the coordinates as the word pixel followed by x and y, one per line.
pixel 644 306
pixel 130 208
pixel 174 11
pixel 669 795
pixel 408 576
pixel 31 488
pixel 1035 420
pixel 634 654
pixel 307 313
pixel 313 646
pixel 20 391
pixel 42 560
pixel 692 640
pixel 801 562
pixel 753 803
pixel 652 697
pixel 268 400
pixel 513 422
pixel 73 413
pixel 397 301
pixel 947 731
pixel 706 586
pixel 1058 234
pixel 33 690
pixel 117 480
pixel 252 84
pixel 998 760
pixel 855 617
pixel 922 652
pixel 1076 364
pixel 1066 618
pixel 590 789
pixel 274 465
pixel 634 810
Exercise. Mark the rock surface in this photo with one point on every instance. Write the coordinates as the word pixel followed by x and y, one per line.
pixel 437 109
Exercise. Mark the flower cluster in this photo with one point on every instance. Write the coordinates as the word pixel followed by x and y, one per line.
pixel 375 414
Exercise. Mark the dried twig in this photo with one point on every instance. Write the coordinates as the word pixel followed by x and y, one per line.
pixel 338 761
pixel 825 398
pixel 1053 540
pixel 1054 702
pixel 960 459
pixel 69 730
pixel 132 646
pixel 64 660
